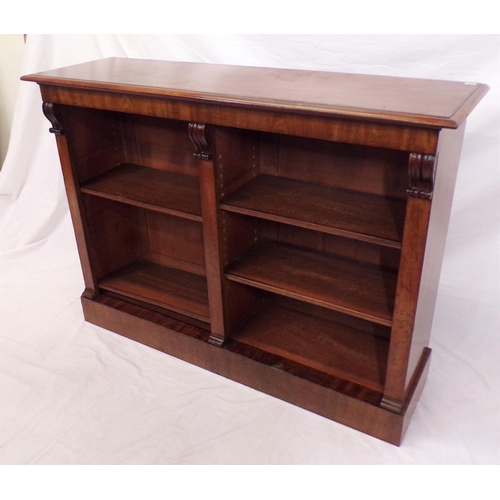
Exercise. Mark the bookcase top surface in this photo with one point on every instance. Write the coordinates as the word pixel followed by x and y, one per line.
pixel 434 103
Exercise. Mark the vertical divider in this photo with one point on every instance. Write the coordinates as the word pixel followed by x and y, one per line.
pixel 74 198
pixel 201 137
pixel 421 170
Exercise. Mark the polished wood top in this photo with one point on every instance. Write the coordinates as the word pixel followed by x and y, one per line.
pixel 419 102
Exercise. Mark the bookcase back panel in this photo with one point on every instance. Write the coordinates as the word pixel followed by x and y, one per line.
pixel 176 242
pixel 142 234
pixel 237 154
pixel 329 244
pixel 357 168
pixel 117 234
pixel 93 140
pixel 158 143
pixel 102 140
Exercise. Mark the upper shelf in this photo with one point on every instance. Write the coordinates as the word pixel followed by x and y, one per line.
pixel 410 101
pixel 158 190
pixel 365 217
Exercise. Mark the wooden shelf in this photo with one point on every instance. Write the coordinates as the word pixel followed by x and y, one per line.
pixel 161 286
pixel 318 344
pixel 150 188
pixel 356 215
pixel 350 287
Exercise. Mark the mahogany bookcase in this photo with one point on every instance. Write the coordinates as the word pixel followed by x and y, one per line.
pixel 284 229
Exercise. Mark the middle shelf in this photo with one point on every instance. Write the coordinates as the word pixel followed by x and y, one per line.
pixel 366 217
pixel 351 287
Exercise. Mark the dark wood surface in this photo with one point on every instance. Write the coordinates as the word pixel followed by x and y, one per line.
pixel 174 241
pixel 165 287
pixel 166 192
pixel 116 234
pixel 420 280
pixel 213 254
pixel 362 169
pixel 386 99
pixel 313 206
pixel 316 282
pixel 77 211
pixel 350 287
pixel 345 130
pixel 323 345
pixel 407 292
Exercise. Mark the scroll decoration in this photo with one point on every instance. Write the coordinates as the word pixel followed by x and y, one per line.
pixel 421 172
pixel 48 111
pixel 198 133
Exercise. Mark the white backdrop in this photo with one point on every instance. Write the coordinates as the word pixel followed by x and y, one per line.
pixel 72 393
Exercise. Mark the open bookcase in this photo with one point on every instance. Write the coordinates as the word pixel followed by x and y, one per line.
pixel 281 228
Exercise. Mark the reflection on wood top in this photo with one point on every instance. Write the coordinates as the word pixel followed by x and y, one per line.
pixel 420 102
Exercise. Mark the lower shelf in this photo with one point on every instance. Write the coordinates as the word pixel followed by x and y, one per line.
pixel 179 291
pixel 249 367
pixel 329 349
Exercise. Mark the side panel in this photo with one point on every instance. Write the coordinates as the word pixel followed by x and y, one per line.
pixel 422 255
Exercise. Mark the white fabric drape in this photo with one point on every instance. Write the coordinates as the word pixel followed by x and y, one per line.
pixel 72 393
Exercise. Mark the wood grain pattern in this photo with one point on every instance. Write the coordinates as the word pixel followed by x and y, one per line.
pixel 446 173
pixel 158 190
pixel 116 233
pixel 323 345
pixel 209 187
pixel 382 135
pixel 346 286
pixel 377 171
pixel 169 288
pixel 409 280
pixel 176 238
pixel 344 213
pixel 78 218
pixel 386 99
pixel 328 244
pixel 94 140
pixel 152 142
pixel 303 372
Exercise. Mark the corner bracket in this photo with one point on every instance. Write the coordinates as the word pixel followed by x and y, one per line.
pixel 421 173
pixel 48 111
pixel 199 135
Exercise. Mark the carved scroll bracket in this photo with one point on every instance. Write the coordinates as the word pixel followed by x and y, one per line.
pixel 48 111
pixel 421 172
pixel 199 134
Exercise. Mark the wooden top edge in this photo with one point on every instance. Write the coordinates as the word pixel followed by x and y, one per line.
pixel 434 103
